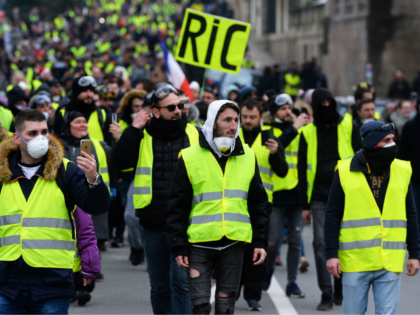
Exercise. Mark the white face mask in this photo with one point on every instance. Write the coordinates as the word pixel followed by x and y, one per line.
pixel 37 147
pixel 46 114
pixel 56 98
pixel 133 115
pixel 364 121
pixel 224 144
pixel 389 145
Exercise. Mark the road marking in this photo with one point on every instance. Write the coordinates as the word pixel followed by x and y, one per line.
pixel 213 294
pixel 279 298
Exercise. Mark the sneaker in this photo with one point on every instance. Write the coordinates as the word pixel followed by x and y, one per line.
pixel 83 297
pixel 292 290
pixel 137 256
pixel 304 264
pixel 253 305
pixel 326 304
pixel 278 261
pixel 117 242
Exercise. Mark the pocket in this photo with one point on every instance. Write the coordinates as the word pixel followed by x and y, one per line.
pixel 58 276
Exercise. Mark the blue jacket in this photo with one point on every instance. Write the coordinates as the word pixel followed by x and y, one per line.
pixel 45 283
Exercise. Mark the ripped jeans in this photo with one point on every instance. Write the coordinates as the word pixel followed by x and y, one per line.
pixel 226 265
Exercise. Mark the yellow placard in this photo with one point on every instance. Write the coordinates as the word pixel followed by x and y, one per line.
pixel 210 41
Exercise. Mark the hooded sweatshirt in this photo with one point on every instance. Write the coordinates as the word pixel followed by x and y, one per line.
pixel 181 193
pixel 326 120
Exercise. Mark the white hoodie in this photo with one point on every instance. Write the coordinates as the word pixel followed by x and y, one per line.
pixel 207 129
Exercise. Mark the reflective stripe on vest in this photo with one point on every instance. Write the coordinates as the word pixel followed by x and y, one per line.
pixel 38 229
pixel 368 239
pixel 142 191
pixel 103 163
pixel 290 181
pixel 219 205
pixel 345 149
pixel 262 154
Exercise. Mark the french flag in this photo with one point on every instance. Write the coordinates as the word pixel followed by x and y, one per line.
pixel 175 73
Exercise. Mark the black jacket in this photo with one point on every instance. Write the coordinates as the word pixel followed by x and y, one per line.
pixel 179 205
pixel 399 89
pixel 335 211
pixel 165 159
pixel 286 197
pixel 46 283
pixel 327 153
pixel 409 147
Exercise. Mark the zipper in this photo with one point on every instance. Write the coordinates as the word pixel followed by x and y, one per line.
pixel 170 162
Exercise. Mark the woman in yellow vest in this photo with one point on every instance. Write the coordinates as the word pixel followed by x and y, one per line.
pixel 216 204
pixel 75 131
pixel 130 105
pixel 370 221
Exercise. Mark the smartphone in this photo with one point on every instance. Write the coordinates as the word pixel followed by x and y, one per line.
pixel 85 146
pixel 265 135
pixel 114 118
pixel 304 110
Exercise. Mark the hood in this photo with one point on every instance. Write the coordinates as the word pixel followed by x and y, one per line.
pixel 128 97
pixel 4 134
pixel 43 87
pixel 319 95
pixel 16 94
pixel 194 113
pixel 52 159
pixel 214 108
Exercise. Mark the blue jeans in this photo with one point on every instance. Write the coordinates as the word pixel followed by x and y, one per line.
pixel 23 304
pixel 386 291
pixel 168 282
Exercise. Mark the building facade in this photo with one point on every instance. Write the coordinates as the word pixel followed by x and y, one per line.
pixel 343 36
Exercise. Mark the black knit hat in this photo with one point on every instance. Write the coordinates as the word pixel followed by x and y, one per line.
pixel 82 84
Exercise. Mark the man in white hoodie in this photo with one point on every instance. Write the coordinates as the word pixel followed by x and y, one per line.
pixel 216 204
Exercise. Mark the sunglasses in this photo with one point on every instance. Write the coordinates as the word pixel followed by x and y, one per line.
pixel 86 81
pixel 172 108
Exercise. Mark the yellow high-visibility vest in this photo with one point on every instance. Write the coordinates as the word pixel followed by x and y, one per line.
pixel 142 193
pixel 368 240
pixel 262 154
pixel 345 149
pixel 292 84
pixel 219 205
pixel 38 229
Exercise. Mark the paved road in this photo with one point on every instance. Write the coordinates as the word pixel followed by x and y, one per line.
pixel 125 289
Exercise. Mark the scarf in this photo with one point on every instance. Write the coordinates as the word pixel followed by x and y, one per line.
pixel 167 130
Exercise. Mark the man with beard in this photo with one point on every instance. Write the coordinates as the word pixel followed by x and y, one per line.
pixel 152 146
pixel 271 162
pixel 370 220
pixel 216 204
pixel 82 101
pixel 286 203
pixel 322 143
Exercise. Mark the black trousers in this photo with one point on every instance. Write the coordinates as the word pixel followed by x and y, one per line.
pixel 226 265
pixel 252 276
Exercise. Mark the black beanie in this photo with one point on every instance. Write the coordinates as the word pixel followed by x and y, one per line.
pixel 15 95
pixel 77 89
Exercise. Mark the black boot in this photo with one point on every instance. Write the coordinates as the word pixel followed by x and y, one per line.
pixel 137 256
pixel 326 304
pixel 83 297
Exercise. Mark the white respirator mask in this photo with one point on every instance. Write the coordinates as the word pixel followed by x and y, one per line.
pixel 223 144
pixel 46 114
pixel 37 147
pixel 389 145
pixel 133 115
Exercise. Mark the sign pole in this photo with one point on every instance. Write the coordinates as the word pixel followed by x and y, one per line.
pixel 204 81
